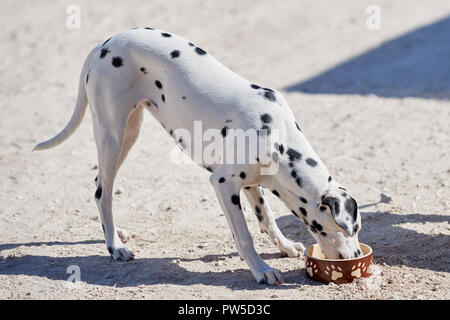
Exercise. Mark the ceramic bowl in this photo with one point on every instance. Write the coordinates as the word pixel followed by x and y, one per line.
pixel 337 270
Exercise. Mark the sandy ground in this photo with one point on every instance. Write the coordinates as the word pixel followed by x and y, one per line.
pixel 378 145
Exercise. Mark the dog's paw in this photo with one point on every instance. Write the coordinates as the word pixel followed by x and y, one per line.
pixel 121 254
pixel 268 275
pixel 291 249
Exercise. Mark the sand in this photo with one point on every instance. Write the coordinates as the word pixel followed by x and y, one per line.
pixel 373 103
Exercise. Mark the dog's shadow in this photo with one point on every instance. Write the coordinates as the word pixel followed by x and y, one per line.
pixel 392 244
pixel 101 270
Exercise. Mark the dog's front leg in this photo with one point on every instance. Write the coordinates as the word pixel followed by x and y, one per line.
pixel 268 224
pixel 228 189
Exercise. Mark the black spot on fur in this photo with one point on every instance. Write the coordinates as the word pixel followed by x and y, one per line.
pixel 269 95
pixel 291 164
pixel 222 180
pixel 317 226
pixel 323 234
pixel 258 210
pixel 275 192
pixel 261 200
pixel 303 200
pixel 200 51
pixel 87 78
pixel 191 44
pixel 355 229
pixel 303 211
pixel 104 52
pixel 106 41
pixel 166 35
pixel 306 222
pixel 209 169
pixel 260 217
pixel 298 127
pixel 311 162
pixel 158 84
pixel 117 62
pixel 295 213
pixel 143 70
pixel 266 118
pixel 98 193
pixel 281 149
pixel 148 28
pixel 329 179
pixel 293 155
pixel 322 208
pixel 342 188
pixel 299 182
pixel 103 227
pixel 236 200
pixel 175 54
pixel 333 203
pixel 163 98
pixel 242 175
pixel 96 179
pixel 255 86
pixel 224 131
pixel 228 121
pixel 247 187
pixel 294 174
pixel 183 97
pixel 110 250
pixel 351 207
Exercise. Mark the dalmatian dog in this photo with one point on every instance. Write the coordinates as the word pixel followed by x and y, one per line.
pixel 180 83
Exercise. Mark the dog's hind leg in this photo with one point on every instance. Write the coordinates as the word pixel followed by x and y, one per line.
pixel 268 224
pixel 132 130
pixel 110 129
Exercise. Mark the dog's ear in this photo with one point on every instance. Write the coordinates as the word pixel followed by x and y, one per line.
pixel 341 217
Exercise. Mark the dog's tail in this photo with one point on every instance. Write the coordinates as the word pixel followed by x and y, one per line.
pixel 78 113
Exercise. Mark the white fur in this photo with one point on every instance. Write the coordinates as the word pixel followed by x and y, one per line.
pixel 213 94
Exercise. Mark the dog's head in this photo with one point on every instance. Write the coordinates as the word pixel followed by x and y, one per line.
pixel 335 224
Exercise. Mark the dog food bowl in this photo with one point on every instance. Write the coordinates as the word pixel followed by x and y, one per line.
pixel 337 270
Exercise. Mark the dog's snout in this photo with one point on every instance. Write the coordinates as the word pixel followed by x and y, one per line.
pixel 350 255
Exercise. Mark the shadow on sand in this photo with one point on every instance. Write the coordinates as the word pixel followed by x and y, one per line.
pixel 392 245
pixel 101 270
pixel 416 64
